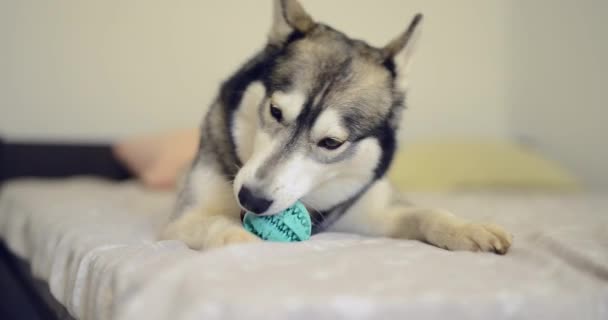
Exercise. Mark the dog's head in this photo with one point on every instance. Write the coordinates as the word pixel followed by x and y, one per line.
pixel 328 119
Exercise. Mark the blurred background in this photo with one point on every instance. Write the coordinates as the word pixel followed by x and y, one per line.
pixel 531 72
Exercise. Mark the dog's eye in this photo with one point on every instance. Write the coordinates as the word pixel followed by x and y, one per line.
pixel 276 113
pixel 330 143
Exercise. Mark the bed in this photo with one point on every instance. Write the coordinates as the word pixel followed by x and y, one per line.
pixel 92 241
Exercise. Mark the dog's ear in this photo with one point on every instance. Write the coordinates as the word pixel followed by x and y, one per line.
pixel 398 53
pixel 288 17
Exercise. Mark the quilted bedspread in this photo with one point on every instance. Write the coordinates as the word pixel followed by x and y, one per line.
pixel 94 243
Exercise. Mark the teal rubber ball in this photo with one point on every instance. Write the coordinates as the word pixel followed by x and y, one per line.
pixel 293 224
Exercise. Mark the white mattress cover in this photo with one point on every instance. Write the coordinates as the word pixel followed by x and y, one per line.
pixel 94 243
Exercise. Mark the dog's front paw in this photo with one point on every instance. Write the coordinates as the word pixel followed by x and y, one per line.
pixel 201 232
pixel 229 236
pixel 477 237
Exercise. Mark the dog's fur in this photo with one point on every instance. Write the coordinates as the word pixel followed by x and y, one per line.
pixel 313 117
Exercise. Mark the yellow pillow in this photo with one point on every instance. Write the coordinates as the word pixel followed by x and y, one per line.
pixel 448 166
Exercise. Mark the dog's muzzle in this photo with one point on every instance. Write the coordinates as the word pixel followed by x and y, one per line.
pixel 252 201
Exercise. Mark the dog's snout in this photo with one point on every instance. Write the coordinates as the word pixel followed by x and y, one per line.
pixel 252 202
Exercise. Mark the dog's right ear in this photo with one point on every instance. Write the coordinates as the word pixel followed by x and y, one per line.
pixel 289 16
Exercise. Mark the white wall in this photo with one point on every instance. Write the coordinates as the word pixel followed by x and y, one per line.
pixel 559 93
pixel 103 69
pixel 108 68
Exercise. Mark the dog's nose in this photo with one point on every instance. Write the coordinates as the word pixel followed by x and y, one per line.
pixel 252 202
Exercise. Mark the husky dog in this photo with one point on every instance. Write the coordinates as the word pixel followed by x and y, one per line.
pixel 313 117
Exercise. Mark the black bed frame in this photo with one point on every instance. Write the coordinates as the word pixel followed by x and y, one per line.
pixel 21 295
pixel 45 160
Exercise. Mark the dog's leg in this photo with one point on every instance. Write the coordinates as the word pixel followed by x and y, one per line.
pixel 445 230
pixel 201 230
pixel 381 212
pixel 210 217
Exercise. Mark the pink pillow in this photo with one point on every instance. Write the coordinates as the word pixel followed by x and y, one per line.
pixel 159 160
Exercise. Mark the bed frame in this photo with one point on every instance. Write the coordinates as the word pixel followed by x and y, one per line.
pixel 22 296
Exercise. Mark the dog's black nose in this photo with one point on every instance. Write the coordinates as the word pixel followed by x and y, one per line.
pixel 252 202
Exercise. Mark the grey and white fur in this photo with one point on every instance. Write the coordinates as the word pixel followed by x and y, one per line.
pixel 313 116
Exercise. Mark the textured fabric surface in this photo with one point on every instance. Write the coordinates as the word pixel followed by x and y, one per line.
pixel 94 243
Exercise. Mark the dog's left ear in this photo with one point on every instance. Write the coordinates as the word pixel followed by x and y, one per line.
pixel 398 53
pixel 289 16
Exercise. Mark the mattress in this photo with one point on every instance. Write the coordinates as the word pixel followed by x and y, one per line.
pixel 94 243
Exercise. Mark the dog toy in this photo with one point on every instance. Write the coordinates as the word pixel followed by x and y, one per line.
pixel 293 224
